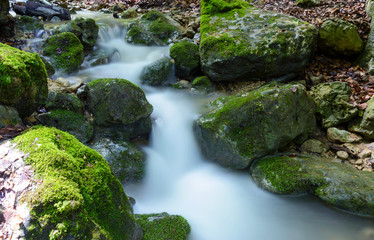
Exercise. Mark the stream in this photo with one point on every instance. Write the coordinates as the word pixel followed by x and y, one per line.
pixel 219 204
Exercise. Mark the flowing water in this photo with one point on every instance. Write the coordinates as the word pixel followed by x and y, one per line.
pixel 219 204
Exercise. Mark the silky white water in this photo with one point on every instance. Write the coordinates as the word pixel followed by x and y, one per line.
pixel 219 204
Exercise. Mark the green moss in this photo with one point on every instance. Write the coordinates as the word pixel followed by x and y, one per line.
pixel 23 79
pixel 185 54
pixel 161 29
pixel 163 226
pixel 78 195
pixel 212 7
pixel 153 15
pixel 68 101
pixel 66 51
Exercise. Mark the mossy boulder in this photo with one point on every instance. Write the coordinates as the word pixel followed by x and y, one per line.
pixel 339 38
pixel 163 226
pixel 249 126
pixel 203 83
pixel 26 24
pixel 342 136
pixel 153 28
pixel 366 58
pixel 130 13
pixel 9 116
pixel 48 66
pixel 67 101
pixel 333 107
pixel 120 105
pixel 337 184
pixel 77 195
pixel 186 57
pixel 365 126
pixel 127 162
pixel 85 29
pixel 71 122
pixel 65 51
pixel 23 80
pixel 240 42
pixel 158 72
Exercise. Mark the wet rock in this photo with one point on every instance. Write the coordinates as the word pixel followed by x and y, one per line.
pixel 337 184
pixel 333 107
pixel 163 226
pixel 158 72
pixel 9 116
pixel 338 37
pixel 239 42
pixel 342 136
pixel 153 28
pixel 85 29
pixel 48 66
pixel 130 13
pixel 127 162
pixel 67 101
pixel 119 105
pixel 342 155
pixel 37 9
pixel 65 51
pixel 25 25
pixel 242 128
pixel 186 57
pixel 71 122
pixel 23 80
pixel 203 84
pixel 312 146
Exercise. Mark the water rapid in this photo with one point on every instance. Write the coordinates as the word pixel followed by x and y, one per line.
pixel 219 204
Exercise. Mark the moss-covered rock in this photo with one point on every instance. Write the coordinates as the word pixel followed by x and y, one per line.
pixel 333 105
pixel 245 127
pixel 130 13
pixel 338 37
pixel 239 42
pixel 71 122
pixel 153 28
pixel 65 51
pixel 186 57
pixel 78 197
pixel 23 80
pixel 366 58
pixel 203 83
pixel 9 116
pixel 163 226
pixel 85 29
pixel 26 24
pixel 67 101
pixel 158 72
pixel 342 136
pixel 119 104
pixel 338 184
pixel 48 66
pixel 127 162
pixel 365 126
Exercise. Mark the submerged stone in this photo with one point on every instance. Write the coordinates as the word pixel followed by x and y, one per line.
pixel 243 128
pixel 23 80
pixel 77 195
pixel 65 51
pixel 337 184
pixel 239 42
pixel 163 226
pixel 333 105
pixel 338 37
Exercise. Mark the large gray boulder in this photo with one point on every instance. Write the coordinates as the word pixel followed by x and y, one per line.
pixel 333 105
pixel 239 42
pixel 37 9
pixel 246 127
pixel 338 184
pixel 120 104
